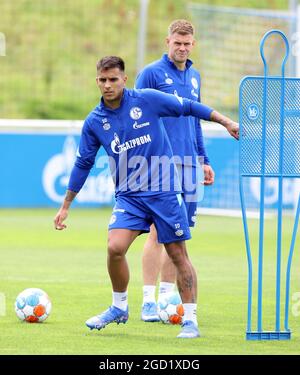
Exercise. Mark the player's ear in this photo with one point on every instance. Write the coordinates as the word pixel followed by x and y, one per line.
pixel 125 78
pixel 167 40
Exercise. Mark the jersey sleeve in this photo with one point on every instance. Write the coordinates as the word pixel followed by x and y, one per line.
pixel 86 154
pixel 168 105
pixel 145 79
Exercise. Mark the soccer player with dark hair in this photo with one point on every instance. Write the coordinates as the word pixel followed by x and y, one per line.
pixel 127 123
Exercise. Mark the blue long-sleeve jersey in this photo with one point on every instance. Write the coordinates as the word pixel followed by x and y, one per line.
pixel 186 134
pixel 134 137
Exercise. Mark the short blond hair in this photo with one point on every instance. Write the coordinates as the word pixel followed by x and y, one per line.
pixel 182 27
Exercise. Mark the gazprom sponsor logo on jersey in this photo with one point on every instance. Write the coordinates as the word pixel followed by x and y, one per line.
pixel 117 148
pixel 135 113
pixel 253 112
pixel 138 126
pixel 115 143
pixel 116 139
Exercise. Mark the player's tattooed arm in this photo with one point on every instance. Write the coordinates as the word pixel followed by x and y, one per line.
pixel 231 126
pixel 63 211
pixel 70 195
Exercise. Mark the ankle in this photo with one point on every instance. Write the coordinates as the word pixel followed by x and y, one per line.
pixel 190 312
pixel 120 300
pixel 149 293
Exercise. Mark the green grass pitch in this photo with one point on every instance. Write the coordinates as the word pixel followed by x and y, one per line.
pixel 71 267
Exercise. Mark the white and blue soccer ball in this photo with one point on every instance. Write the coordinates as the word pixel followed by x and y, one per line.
pixel 170 308
pixel 33 305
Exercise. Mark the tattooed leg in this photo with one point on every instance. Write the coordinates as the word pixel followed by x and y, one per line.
pixel 186 275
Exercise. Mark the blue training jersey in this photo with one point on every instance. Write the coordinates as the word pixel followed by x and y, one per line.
pixel 185 134
pixel 134 137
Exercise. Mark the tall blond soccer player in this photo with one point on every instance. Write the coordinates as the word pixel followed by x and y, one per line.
pixel 174 74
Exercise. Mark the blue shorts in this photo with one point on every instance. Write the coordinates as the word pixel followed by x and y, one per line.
pixel 191 209
pixel 166 211
pixel 192 190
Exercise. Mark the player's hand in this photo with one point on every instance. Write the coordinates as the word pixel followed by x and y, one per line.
pixel 233 129
pixel 209 175
pixel 60 218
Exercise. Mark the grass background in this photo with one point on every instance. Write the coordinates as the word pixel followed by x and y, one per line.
pixel 52 48
pixel 71 267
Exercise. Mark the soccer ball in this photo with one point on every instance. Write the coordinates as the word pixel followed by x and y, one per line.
pixel 170 309
pixel 33 305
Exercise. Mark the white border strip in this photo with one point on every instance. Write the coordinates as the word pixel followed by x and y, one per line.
pixel 9 126
pixel 232 213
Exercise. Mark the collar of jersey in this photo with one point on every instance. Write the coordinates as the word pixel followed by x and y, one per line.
pixel 123 100
pixel 188 64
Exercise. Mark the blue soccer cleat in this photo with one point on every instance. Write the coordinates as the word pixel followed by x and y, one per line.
pixel 112 314
pixel 149 312
pixel 189 330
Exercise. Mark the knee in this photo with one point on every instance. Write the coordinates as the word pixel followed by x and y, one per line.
pixel 115 249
